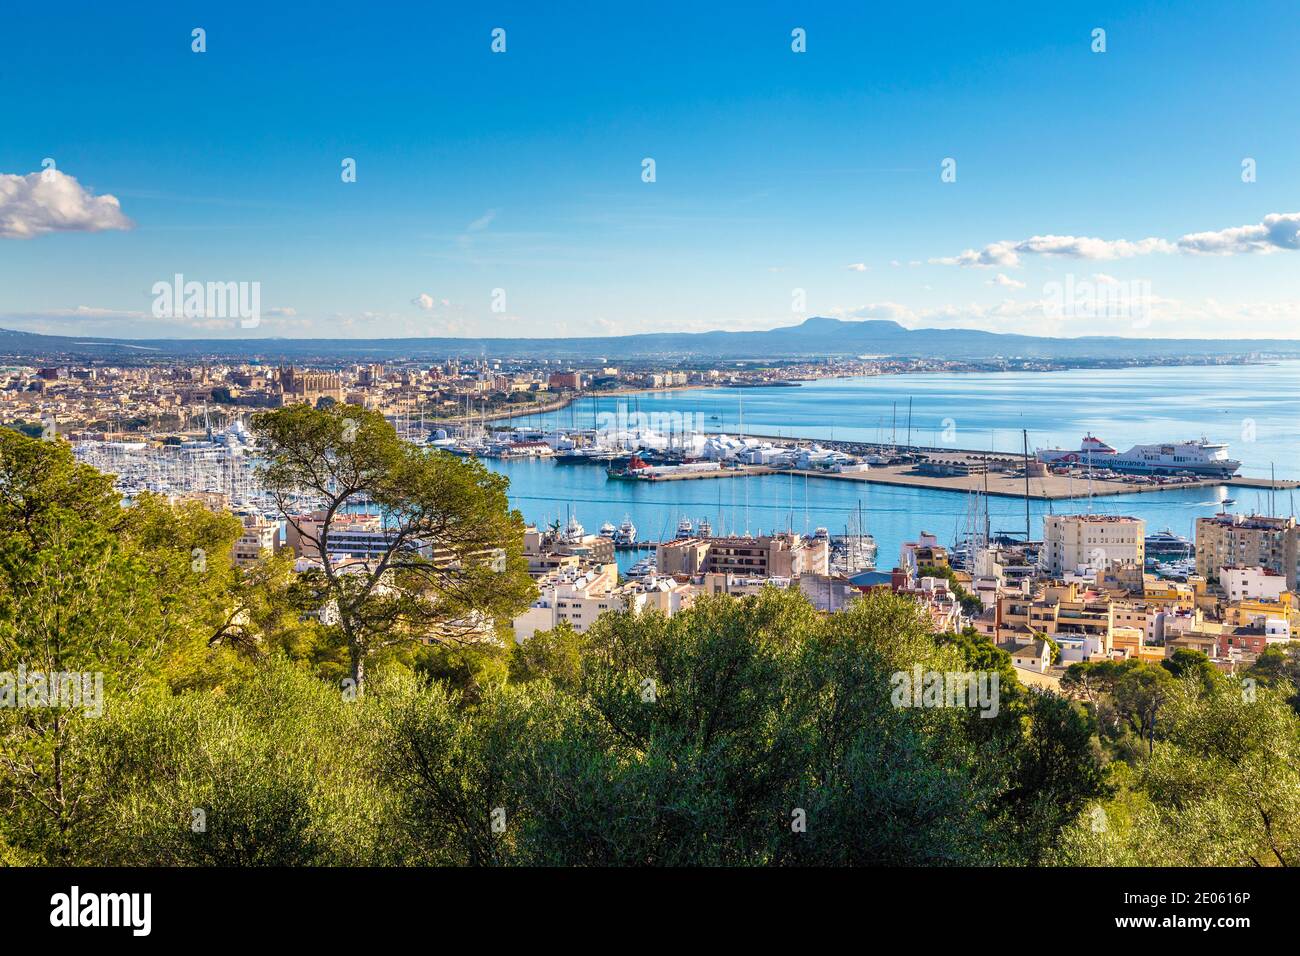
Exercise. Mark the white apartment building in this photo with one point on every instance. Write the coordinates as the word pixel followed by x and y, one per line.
pixel 1277 631
pixel 578 596
pixel 1252 584
pixel 1075 543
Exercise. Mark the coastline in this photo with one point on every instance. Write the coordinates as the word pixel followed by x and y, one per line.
pixel 563 403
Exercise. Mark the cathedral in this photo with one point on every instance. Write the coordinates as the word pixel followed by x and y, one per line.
pixel 296 386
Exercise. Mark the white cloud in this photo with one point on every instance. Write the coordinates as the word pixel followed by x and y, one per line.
pixel 858 267
pixel 131 323
pixel 1007 252
pixel 482 222
pixel 1006 281
pixel 51 201
pixel 424 301
pixel 878 310
pixel 88 312
pixel 1278 231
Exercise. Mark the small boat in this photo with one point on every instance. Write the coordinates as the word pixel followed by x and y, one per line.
pixel 642 569
pixel 635 466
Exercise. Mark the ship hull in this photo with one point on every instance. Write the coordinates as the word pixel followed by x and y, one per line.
pixel 1216 469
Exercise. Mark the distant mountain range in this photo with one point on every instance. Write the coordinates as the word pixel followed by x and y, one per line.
pixel 815 337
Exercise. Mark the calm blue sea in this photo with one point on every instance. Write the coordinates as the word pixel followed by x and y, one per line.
pixel 1256 409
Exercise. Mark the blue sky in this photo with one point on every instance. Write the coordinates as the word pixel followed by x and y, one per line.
pixel 775 171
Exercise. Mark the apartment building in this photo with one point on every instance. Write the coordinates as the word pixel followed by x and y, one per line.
pixel 579 596
pixel 1148 619
pixel 546 549
pixel 1058 610
pixel 355 537
pixel 938 601
pixel 574 596
pixel 1232 540
pixel 783 555
pixel 564 380
pixel 1252 584
pixel 1073 543
pixel 828 593
pixel 1132 643
pixel 925 551
pixel 260 537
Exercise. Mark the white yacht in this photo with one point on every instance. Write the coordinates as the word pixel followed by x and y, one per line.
pixel 642 569
pixel 574 531
pixel 626 533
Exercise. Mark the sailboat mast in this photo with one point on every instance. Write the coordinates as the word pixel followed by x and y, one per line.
pixel 1025 433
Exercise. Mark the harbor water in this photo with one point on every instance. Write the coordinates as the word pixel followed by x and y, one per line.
pixel 1255 408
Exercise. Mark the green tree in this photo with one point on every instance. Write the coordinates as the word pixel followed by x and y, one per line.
pixel 1223 789
pixel 1139 695
pixel 739 732
pixel 82 614
pixel 1279 667
pixel 41 483
pixel 273 771
pixel 1184 662
pixel 453 565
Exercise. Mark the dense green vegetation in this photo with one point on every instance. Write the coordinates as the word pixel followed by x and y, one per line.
pixel 743 732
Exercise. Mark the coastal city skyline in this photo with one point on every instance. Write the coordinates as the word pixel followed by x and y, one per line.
pixel 608 439
pixel 501 189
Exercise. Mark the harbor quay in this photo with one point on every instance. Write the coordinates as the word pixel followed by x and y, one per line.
pixel 1045 488
pixel 1049 487
pixel 999 474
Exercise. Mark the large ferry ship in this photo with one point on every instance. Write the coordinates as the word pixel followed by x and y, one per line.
pixel 1202 457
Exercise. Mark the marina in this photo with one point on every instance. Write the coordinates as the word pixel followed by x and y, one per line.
pixel 804 482
pixel 652 457
pixel 1140 405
